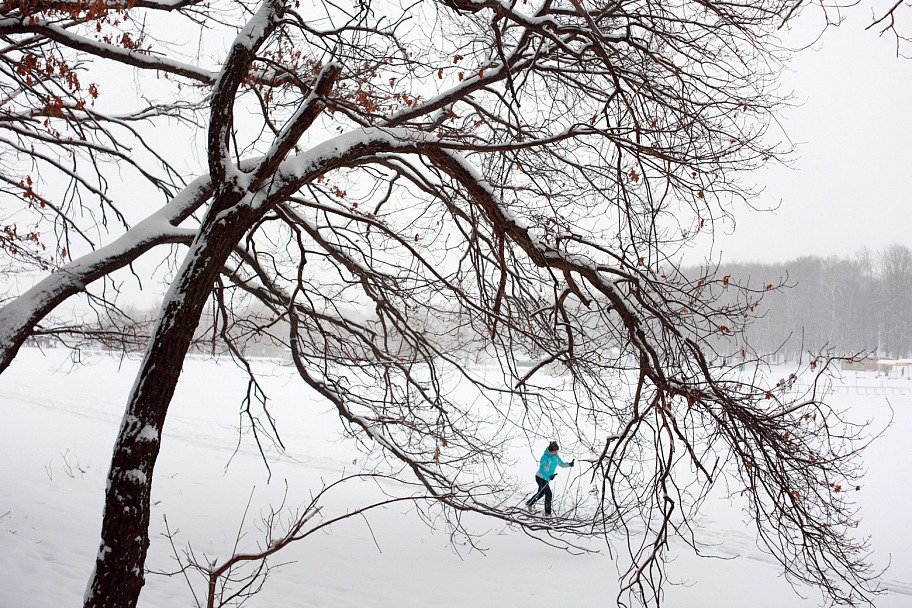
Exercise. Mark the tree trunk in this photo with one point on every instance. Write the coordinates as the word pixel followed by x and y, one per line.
pixel 119 567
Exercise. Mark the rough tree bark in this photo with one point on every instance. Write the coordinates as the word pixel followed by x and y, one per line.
pixel 566 155
pixel 119 568
pixel 119 573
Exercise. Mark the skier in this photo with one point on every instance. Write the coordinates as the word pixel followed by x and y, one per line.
pixel 546 467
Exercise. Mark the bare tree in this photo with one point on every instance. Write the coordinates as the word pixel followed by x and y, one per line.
pixel 896 289
pixel 885 21
pixel 537 167
pixel 847 305
pixel 234 580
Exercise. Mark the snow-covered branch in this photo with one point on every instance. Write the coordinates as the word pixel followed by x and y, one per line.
pixel 19 317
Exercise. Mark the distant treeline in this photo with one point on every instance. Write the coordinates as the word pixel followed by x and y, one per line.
pixel 859 304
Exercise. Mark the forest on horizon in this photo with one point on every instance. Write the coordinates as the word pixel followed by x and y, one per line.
pixel 859 305
pixel 856 305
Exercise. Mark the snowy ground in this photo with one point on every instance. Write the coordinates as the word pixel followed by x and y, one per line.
pixel 59 424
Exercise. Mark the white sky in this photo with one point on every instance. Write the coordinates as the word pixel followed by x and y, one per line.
pixel 851 183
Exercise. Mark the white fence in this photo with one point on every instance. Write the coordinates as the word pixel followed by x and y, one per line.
pixel 857 389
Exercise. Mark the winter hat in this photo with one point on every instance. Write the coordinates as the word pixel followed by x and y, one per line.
pixel 553 447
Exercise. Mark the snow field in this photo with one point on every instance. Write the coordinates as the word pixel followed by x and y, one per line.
pixel 60 423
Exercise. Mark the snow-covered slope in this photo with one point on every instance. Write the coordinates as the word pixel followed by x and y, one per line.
pixel 59 423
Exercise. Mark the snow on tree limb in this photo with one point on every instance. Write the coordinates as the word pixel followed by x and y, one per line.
pixel 505 180
pixel 20 316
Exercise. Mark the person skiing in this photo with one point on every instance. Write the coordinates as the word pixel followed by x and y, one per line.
pixel 546 472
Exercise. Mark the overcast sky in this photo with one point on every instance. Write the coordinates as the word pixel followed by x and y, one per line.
pixel 851 183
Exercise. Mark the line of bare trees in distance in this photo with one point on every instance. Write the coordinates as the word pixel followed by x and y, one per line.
pixel 850 304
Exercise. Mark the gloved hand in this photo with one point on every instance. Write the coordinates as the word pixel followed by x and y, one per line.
pixel 553 476
pixel 572 462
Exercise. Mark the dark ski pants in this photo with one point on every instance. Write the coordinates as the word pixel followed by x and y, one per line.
pixel 544 489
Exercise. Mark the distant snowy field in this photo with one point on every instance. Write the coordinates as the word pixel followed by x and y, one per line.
pixel 59 423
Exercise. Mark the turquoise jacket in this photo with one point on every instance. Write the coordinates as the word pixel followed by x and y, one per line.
pixel 548 464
